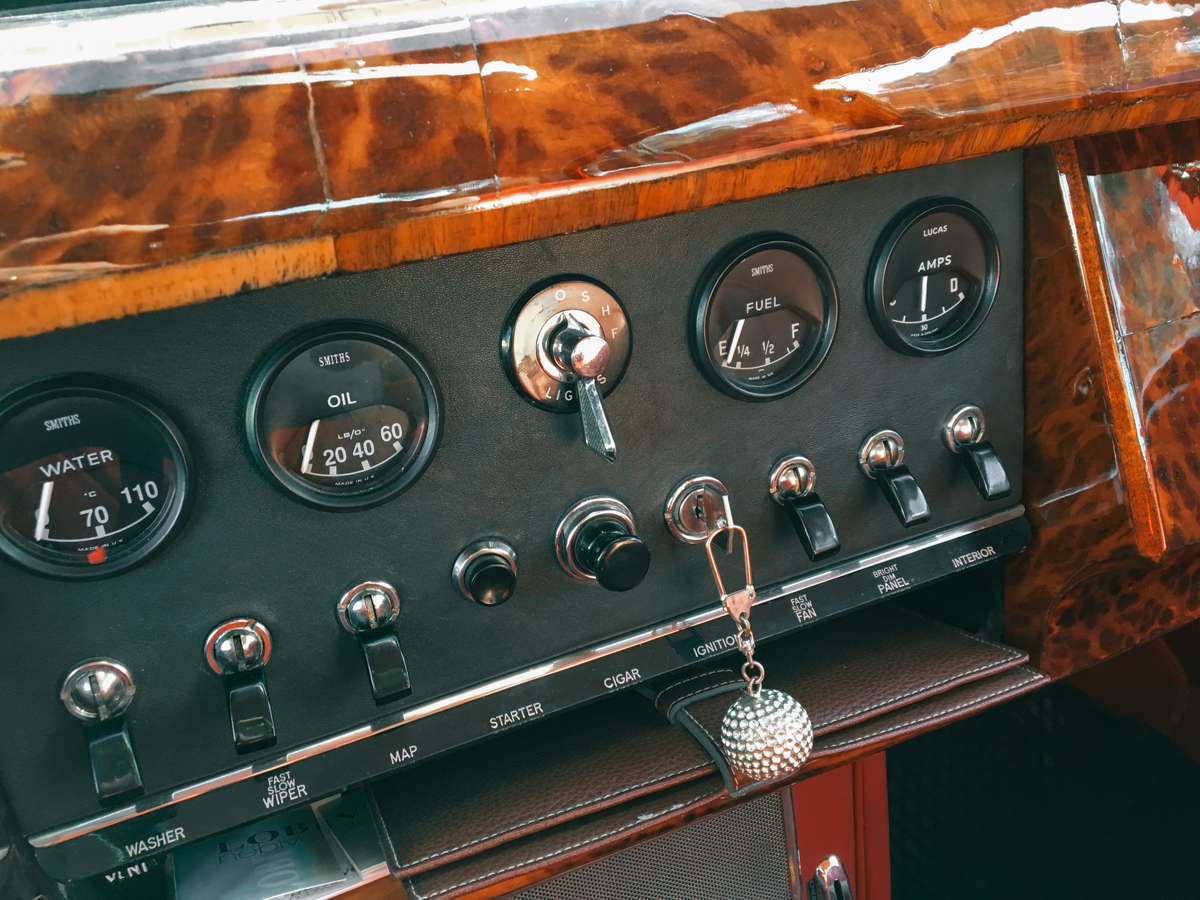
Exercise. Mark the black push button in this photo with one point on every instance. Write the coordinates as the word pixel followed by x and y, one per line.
pixel 986 470
pixel 250 712
pixel 114 767
pixel 618 559
pixel 903 495
pixel 490 580
pixel 813 525
pixel 385 666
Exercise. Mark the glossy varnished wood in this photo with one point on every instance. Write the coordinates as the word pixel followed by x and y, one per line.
pixel 500 131
pixel 1137 479
pixel 1091 585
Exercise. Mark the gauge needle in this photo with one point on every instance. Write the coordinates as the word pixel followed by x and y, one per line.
pixel 43 513
pixel 306 463
pixel 737 334
pixel 924 291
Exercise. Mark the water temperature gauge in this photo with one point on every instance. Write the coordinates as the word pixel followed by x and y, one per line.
pixel 344 417
pixel 934 277
pixel 92 478
pixel 763 318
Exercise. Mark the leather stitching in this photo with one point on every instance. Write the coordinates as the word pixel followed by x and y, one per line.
pixel 674 703
pixel 683 681
pixel 875 735
pixel 928 687
pixel 566 809
pixel 530 862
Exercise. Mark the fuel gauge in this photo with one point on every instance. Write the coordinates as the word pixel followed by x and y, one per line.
pixel 344 417
pixel 763 318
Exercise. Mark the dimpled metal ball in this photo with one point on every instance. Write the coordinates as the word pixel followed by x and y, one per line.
pixel 766 737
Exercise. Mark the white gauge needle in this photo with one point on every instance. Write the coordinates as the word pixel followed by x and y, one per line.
pixel 43 513
pixel 737 334
pixel 924 290
pixel 306 463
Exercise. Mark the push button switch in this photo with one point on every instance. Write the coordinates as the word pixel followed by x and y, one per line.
pixel 238 651
pixel 881 458
pixel 98 693
pixel 597 541
pixel 369 612
pixel 792 485
pixel 963 434
pixel 486 572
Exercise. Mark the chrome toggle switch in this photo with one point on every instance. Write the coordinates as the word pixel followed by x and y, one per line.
pixel 792 485
pixel 597 541
pixel 963 434
pixel 881 458
pixel 98 693
pixel 486 571
pixel 238 650
pixel 564 347
pixel 369 612
pixel 695 508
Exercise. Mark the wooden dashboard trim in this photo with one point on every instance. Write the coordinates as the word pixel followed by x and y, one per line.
pixel 126 188
pixel 1133 462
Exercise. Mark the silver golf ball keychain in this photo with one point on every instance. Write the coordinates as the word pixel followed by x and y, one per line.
pixel 765 734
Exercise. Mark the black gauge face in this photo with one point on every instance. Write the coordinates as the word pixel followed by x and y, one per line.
pixel 934 277
pixel 764 318
pixel 345 417
pixel 92 479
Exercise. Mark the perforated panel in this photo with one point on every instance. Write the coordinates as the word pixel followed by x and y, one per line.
pixel 740 854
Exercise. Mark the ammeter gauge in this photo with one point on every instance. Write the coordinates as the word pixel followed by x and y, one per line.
pixel 92 478
pixel 763 318
pixel 933 277
pixel 343 417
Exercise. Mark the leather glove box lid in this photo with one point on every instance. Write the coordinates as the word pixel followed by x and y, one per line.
pixel 845 672
pixel 542 855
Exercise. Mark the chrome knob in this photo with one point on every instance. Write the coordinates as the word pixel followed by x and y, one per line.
pixel 792 477
pixel 238 646
pixel 583 358
pixel 882 450
pixel 370 605
pixel 965 426
pixel 563 347
pixel 98 690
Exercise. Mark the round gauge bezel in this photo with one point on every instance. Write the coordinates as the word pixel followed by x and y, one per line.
pixel 714 274
pixel 612 378
pixel 374 492
pixel 883 252
pixel 154 538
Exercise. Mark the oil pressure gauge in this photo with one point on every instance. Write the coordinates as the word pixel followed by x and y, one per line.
pixel 933 277
pixel 343 417
pixel 763 318
pixel 92 478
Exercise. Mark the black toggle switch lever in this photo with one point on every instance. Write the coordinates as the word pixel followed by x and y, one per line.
pixel 597 541
pixel 369 612
pixel 963 434
pixel 792 485
pixel 881 458
pixel 98 693
pixel 238 651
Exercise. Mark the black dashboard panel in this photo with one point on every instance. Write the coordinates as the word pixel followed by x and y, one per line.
pixel 503 468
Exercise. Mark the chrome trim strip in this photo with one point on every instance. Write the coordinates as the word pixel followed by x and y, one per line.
pixel 582 657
